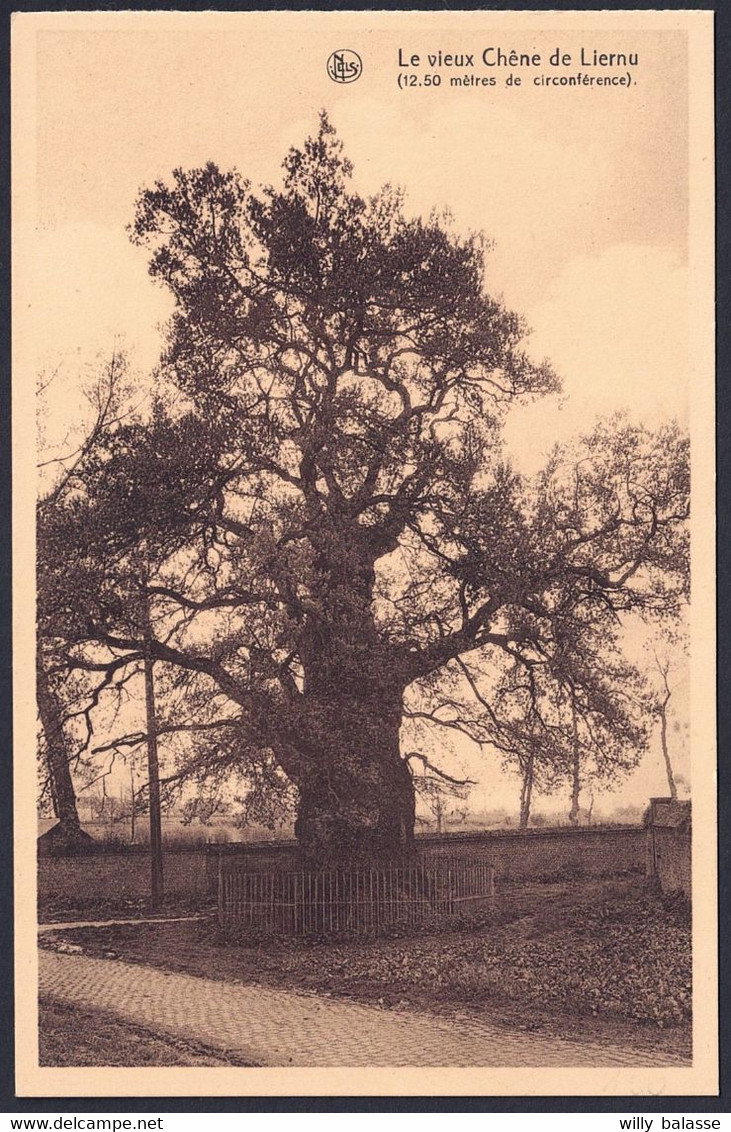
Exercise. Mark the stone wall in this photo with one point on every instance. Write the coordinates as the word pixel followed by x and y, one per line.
pixel 120 879
pixel 669 844
pixel 531 855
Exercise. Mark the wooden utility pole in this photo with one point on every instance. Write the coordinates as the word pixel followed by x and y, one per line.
pixel 157 890
pixel 132 801
pixel 576 765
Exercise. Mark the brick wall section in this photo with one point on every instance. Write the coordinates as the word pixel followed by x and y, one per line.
pixel 669 844
pixel 538 855
pixel 121 879
pixel 535 855
pixel 672 860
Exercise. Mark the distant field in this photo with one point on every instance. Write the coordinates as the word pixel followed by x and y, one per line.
pixel 175 833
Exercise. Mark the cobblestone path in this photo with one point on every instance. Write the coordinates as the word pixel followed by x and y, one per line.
pixel 279 1027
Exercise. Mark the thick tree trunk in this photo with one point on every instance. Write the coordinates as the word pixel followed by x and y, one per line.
pixel 357 798
pixel 356 792
pixel 68 833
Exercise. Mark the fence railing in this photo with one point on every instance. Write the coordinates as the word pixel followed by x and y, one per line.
pixel 358 901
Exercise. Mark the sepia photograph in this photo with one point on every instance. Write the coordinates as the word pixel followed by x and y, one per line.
pixel 364 582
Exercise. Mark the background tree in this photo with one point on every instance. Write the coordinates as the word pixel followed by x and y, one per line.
pixel 663 702
pixel 665 653
pixel 328 508
pixel 62 696
pixel 569 715
pixel 437 788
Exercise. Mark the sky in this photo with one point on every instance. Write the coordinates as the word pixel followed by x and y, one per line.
pixel 584 192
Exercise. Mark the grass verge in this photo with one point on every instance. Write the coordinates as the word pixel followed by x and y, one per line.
pixel 71 1036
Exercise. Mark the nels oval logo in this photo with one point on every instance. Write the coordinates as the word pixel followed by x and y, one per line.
pixel 344 66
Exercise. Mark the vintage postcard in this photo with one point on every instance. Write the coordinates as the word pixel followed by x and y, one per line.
pixel 364 578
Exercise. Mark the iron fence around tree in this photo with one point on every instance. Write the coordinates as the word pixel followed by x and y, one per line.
pixel 352 902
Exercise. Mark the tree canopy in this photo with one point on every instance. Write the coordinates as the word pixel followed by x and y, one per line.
pixel 320 514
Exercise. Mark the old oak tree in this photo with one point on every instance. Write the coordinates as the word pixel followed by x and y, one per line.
pixel 318 521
